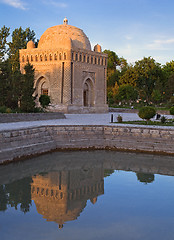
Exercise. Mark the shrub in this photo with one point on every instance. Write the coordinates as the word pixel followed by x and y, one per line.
pixel 44 100
pixel 119 119
pixel 163 119
pixel 3 109
pixel 8 110
pixel 147 113
pixel 172 110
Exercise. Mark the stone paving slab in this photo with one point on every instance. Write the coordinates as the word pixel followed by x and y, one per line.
pixel 78 119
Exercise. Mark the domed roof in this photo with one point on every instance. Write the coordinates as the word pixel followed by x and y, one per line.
pixel 64 36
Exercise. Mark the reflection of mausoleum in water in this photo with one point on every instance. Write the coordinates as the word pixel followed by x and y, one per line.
pixel 62 196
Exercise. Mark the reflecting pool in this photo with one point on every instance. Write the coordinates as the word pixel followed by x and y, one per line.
pixel 88 195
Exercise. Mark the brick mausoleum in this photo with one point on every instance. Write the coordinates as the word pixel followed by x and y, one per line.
pixel 68 70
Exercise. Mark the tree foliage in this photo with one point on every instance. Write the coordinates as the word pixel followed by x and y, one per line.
pixel 20 38
pixel 27 103
pixel 44 100
pixel 147 113
pixel 4 33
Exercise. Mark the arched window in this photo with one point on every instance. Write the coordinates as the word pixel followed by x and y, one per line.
pixel 99 61
pixel 72 56
pixel 76 57
pixel 60 56
pixel 102 61
pixel 50 57
pixel 88 59
pixel 55 56
pixel 41 58
pixel 64 56
pixel 95 60
pixel 27 58
pixel 36 58
pixel 23 59
pixel 80 58
pixel 84 58
pixel 45 57
pixel 31 58
pixel 92 60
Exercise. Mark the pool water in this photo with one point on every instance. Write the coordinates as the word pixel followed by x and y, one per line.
pixel 88 195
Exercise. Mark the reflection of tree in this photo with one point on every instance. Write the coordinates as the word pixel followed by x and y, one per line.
pixel 3 199
pixel 145 177
pixel 16 193
pixel 108 172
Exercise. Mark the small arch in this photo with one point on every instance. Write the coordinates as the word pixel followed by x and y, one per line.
pixel 50 57
pixel 98 61
pixel 60 56
pixel 55 56
pixel 76 57
pixel 36 58
pixel 102 62
pixel 95 60
pixel 31 58
pixel 84 58
pixel 80 57
pixel 41 58
pixel 88 59
pixel 88 93
pixel 64 56
pixel 45 57
pixel 27 58
pixel 23 59
pixel 91 59
pixel 72 56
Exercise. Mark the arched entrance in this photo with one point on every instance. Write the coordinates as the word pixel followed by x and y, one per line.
pixel 42 86
pixel 88 93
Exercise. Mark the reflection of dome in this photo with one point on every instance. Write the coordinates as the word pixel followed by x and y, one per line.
pixel 53 37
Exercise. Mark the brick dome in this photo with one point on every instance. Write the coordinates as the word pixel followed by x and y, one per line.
pixel 64 36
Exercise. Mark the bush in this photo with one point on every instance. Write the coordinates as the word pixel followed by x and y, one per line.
pixel 44 100
pixel 119 119
pixel 3 109
pixel 8 110
pixel 147 113
pixel 172 110
pixel 163 119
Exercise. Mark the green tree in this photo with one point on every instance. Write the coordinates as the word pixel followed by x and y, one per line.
pixel 129 77
pixel 4 33
pixel 5 83
pixel 148 73
pixel 147 113
pixel 20 38
pixel 127 93
pixel 26 98
pixel 156 96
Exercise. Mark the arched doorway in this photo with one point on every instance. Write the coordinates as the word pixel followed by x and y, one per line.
pixel 88 93
pixel 44 88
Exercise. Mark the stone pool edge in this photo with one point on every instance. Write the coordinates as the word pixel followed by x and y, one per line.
pixel 24 142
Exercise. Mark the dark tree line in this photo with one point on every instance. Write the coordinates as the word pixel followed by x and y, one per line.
pixel 146 81
pixel 16 89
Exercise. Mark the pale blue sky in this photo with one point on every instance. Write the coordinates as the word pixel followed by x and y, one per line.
pixel 132 28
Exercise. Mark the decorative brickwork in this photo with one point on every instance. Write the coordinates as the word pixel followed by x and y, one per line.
pixel 64 62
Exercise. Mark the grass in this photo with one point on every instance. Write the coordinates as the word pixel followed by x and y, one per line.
pixel 152 123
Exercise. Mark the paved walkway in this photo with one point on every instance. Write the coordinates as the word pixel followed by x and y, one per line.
pixel 74 119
